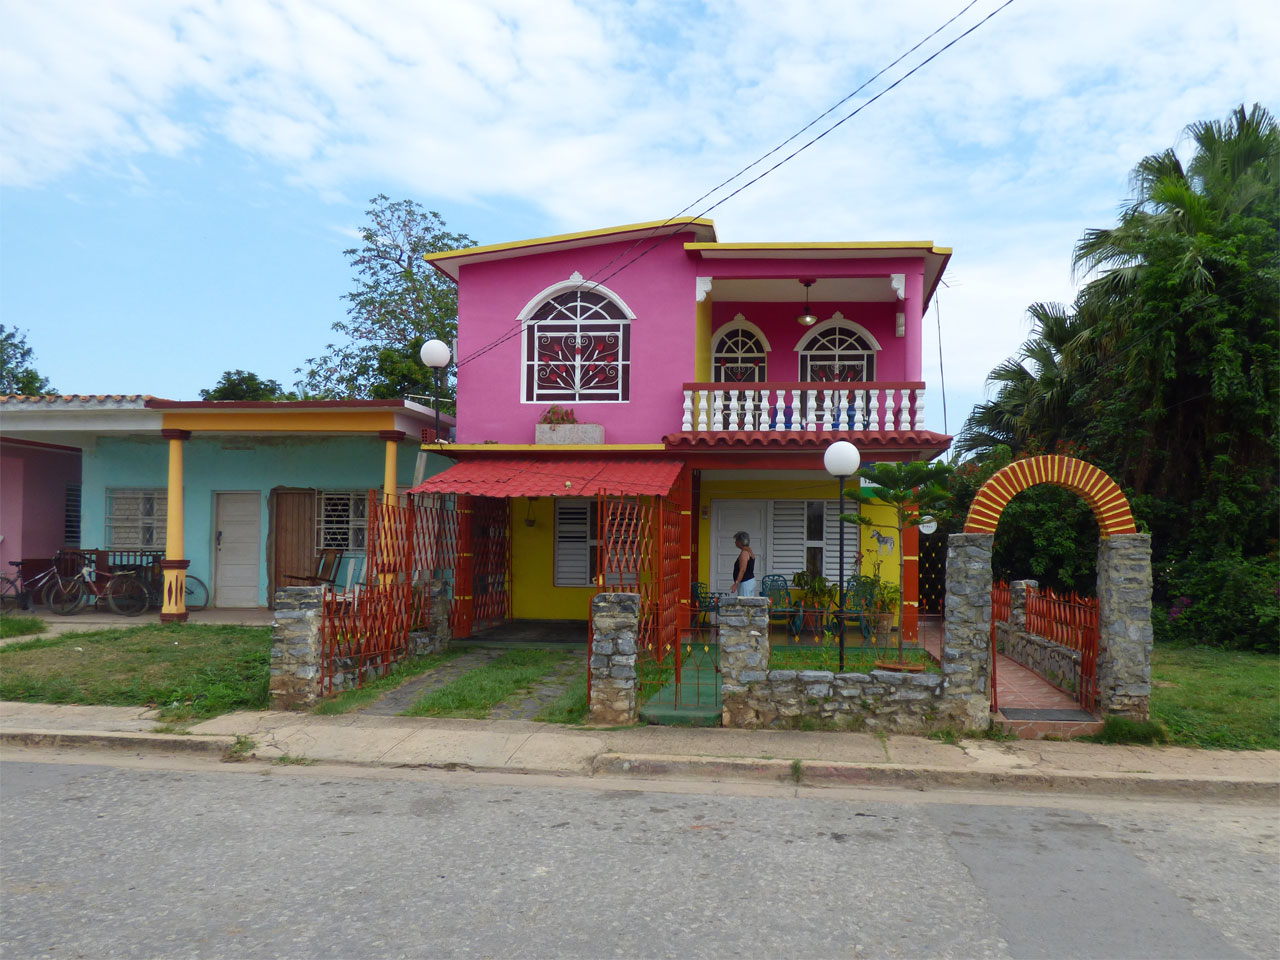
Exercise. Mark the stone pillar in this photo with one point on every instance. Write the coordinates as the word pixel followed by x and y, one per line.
pixel 744 656
pixel 436 635
pixel 615 623
pixel 296 648
pixel 966 646
pixel 1124 625
pixel 1018 602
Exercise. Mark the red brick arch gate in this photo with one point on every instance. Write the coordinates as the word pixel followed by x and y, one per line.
pixel 1124 582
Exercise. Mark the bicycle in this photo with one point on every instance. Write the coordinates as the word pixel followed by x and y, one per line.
pixel 152 578
pixel 123 591
pixel 18 593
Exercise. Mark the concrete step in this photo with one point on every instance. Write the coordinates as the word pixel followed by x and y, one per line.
pixel 1058 724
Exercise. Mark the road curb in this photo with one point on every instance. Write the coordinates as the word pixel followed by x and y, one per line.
pixel 818 773
pixel 119 740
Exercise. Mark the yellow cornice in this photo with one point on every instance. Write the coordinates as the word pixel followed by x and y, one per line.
pixel 567 238
pixel 233 421
pixel 823 245
pixel 544 447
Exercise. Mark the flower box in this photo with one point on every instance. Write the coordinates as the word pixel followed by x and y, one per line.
pixel 568 433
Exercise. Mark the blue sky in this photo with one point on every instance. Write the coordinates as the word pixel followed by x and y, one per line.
pixel 178 180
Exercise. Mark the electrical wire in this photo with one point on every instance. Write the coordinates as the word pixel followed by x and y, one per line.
pixel 503 338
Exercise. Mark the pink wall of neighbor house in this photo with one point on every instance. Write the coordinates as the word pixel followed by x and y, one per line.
pixel 659 289
pixel 33 490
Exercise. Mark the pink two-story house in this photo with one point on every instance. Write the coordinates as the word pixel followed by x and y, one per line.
pixel 714 375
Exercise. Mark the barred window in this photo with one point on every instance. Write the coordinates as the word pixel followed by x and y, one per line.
pixel 738 357
pixel 71 516
pixel 136 517
pixel 837 354
pixel 577 348
pixel 342 519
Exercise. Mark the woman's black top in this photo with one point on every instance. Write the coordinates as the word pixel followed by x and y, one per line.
pixel 751 568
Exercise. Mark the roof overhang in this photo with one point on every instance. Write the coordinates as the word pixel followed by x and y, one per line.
pixel 802 449
pixel 450 262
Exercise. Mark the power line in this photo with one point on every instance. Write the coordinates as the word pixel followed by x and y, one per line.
pixel 503 338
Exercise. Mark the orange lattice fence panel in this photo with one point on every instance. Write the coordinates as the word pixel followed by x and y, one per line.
pixel 491 571
pixel 1071 621
pixel 628 555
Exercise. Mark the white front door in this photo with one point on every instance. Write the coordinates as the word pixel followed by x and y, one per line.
pixel 727 518
pixel 237 551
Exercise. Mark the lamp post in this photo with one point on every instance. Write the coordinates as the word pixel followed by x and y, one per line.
pixel 842 460
pixel 435 354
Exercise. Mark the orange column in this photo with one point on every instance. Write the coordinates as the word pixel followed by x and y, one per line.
pixel 910 582
pixel 464 575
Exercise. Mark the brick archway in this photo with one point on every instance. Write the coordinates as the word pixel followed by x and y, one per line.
pixel 1103 495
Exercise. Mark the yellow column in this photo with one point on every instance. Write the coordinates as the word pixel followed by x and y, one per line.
pixel 386 544
pixel 174 564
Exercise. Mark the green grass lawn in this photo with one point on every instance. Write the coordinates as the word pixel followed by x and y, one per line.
pixel 19 625
pixel 350 700
pixel 570 706
pixel 1223 699
pixel 187 670
pixel 477 691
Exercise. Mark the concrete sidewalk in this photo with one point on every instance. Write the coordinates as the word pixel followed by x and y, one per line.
pixel 516 746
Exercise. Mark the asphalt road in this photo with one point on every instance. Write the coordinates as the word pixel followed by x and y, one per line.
pixel 193 859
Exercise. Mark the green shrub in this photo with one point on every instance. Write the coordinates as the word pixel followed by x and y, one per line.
pixel 1127 730
pixel 1229 603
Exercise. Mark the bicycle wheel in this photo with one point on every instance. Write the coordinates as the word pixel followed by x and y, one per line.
pixel 65 597
pixel 197 597
pixel 126 596
pixel 11 598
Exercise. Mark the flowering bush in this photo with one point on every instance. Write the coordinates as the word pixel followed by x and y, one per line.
pixel 558 414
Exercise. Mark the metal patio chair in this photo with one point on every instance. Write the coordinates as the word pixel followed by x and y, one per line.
pixel 702 605
pixel 782 609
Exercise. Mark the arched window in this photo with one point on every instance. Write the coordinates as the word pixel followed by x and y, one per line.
pixel 838 351
pixel 739 356
pixel 577 347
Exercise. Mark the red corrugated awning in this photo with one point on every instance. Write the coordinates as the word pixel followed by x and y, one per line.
pixel 527 477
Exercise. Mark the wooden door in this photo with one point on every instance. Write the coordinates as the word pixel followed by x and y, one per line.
pixel 293 535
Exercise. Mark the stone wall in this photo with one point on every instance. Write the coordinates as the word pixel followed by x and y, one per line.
pixel 966 649
pixel 1124 625
pixel 755 696
pixel 615 619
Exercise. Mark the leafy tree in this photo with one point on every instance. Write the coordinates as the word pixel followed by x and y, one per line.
pixel 1171 380
pixel 243 385
pixel 17 375
pixel 914 489
pixel 398 303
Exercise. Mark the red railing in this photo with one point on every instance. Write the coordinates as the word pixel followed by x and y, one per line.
pixel 1001 610
pixel 1071 621
pixel 410 542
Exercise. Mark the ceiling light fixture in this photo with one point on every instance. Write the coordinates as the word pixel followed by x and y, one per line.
pixel 807 319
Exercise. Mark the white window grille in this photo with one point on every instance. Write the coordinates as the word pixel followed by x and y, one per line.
pixel 71 516
pixel 136 518
pixel 739 357
pixel 838 353
pixel 577 347
pixel 342 520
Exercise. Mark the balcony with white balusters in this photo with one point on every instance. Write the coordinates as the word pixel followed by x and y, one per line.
pixel 767 409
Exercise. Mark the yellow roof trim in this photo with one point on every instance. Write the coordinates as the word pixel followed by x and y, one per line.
pixel 824 245
pixel 567 237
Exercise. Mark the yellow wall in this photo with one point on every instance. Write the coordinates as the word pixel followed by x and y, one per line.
pixel 702 341
pixel 760 486
pixel 534 595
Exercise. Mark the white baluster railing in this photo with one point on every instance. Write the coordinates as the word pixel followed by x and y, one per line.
pixel 810 407
pixel 686 418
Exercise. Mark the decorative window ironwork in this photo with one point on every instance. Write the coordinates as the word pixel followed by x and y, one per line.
pixel 578 348
pixel 738 357
pixel 342 520
pixel 838 354
pixel 136 517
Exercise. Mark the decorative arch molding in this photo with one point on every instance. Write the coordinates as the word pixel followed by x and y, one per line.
pixel 838 320
pixel 1104 496
pixel 574 282
pixel 740 322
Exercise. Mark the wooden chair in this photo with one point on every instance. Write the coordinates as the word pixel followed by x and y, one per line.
pixel 326 570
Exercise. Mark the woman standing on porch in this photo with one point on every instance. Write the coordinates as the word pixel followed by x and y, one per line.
pixel 744 568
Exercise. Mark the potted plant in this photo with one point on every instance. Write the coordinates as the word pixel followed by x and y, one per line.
pixel 560 425
pixel 815 595
pixel 884 607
